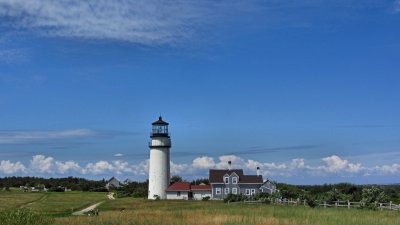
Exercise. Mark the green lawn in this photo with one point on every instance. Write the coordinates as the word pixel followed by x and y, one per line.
pixel 17 198
pixel 51 203
pixel 140 211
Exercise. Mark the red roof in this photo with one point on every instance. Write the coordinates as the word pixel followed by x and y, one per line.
pixel 200 187
pixel 179 186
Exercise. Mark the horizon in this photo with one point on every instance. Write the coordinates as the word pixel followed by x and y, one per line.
pixel 307 91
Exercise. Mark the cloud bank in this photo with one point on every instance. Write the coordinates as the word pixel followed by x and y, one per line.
pixel 328 166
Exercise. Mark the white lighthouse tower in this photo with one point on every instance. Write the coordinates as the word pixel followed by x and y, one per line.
pixel 159 160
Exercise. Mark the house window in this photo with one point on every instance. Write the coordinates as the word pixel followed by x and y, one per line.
pixel 234 191
pixel 253 191
pixel 234 180
pixel 178 193
pixel 217 191
pixel 226 191
pixel 226 180
pixel 247 191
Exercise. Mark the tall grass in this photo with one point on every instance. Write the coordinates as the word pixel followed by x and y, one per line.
pixel 141 212
pixel 24 217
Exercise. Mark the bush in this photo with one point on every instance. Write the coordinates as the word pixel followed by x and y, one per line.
pixel 235 198
pixel 372 195
pixel 206 198
pixel 312 202
pixel 24 217
pixel 56 189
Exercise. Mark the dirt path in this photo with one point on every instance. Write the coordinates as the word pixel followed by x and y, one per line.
pixel 87 209
pixel 37 200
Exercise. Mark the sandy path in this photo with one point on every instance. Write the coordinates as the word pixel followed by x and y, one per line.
pixel 111 196
pixel 87 209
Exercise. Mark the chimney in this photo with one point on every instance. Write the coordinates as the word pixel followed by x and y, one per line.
pixel 229 165
pixel 258 171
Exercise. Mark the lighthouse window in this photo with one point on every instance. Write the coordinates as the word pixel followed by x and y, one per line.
pixel 226 180
pixel 218 191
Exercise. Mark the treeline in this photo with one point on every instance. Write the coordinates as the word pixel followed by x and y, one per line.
pixel 337 192
pixel 54 184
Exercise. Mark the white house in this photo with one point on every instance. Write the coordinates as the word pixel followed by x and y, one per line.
pixel 178 190
pixel 200 191
pixel 113 183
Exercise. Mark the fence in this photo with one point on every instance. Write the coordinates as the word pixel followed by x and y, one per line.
pixel 334 204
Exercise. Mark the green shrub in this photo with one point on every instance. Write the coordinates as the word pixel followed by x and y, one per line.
pixel 24 217
pixel 312 202
pixel 206 198
pixel 373 195
pixel 235 198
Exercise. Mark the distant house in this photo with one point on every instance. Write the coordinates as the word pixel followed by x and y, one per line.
pixel 224 182
pixel 113 183
pixel 127 181
pixel 185 191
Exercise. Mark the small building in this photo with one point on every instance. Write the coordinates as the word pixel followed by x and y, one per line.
pixel 268 187
pixel 200 191
pixel 113 183
pixel 179 190
pixel 186 191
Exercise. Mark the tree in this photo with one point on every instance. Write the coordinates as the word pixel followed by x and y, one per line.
pixel 373 195
pixel 176 178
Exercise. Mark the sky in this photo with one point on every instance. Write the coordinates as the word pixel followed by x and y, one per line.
pixel 306 90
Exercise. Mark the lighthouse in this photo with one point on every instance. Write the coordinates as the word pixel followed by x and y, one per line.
pixel 159 173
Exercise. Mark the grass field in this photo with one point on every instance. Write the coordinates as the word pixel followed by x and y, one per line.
pixel 130 211
pixel 51 203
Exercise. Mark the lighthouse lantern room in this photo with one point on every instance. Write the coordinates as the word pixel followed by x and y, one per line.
pixel 159 167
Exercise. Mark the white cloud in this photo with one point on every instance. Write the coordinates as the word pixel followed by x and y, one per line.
pixel 42 164
pixel 8 167
pixel 121 167
pixel 118 155
pixel 179 168
pixel 237 162
pixel 297 163
pixel 328 166
pixel 203 162
pixel 335 163
pixel 388 169
pixel 68 166
pixel 18 137
pixel 100 167
pixel 354 167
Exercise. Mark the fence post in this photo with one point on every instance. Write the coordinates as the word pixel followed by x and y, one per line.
pixel 304 201
pixel 380 206
pixel 390 205
pixel 336 204
pixel 324 204
pixel 348 204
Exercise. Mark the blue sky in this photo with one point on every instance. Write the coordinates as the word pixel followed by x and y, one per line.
pixel 307 90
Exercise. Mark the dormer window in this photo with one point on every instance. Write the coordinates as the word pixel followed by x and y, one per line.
pixel 234 180
pixel 226 180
